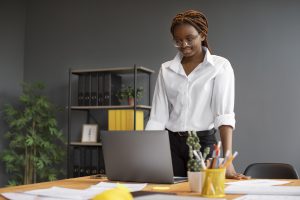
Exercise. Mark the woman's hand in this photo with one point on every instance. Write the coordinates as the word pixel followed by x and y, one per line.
pixel 226 138
pixel 232 174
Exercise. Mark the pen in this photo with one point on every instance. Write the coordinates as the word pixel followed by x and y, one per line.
pixel 214 161
pixel 218 154
pixel 218 148
pixel 208 163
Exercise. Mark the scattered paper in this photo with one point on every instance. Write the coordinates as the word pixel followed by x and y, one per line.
pixel 62 193
pixel 55 193
pixel 133 187
pixel 267 197
pixel 258 182
pixel 23 196
pixel 263 190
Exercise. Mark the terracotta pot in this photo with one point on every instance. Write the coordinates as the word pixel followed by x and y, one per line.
pixel 131 101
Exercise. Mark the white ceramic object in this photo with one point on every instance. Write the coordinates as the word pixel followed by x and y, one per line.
pixel 196 181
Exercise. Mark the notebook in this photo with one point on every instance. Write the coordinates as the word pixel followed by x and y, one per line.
pixel 138 156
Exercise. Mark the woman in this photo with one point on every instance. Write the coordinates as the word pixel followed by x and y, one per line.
pixel 194 91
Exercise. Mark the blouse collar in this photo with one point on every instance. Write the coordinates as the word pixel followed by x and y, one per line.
pixel 176 65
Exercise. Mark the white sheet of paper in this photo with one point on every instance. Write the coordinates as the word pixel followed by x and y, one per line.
pixel 62 193
pixel 258 182
pixel 263 190
pixel 58 193
pixel 133 187
pixel 267 197
pixel 23 196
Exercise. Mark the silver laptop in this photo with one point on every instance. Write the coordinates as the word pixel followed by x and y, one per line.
pixel 138 156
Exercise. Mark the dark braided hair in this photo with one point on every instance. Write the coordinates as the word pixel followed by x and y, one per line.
pixel 195 19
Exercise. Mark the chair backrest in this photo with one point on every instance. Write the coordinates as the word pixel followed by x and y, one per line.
pixel 271 171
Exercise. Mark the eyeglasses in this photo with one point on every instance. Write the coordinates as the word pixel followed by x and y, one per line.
pixel 187 42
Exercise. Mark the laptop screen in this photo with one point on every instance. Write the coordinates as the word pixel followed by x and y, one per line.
pixel 137 156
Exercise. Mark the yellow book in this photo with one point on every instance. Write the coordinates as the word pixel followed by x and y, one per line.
pixel 111 120
pixel 139 120
pixel 118 119
pixel 129 122
pixel 123 120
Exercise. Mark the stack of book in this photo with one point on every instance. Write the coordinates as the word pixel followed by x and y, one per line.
pixel 84 162
pixel 98 89
pixel 124 120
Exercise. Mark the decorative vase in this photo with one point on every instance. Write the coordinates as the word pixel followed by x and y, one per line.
pixel 196 181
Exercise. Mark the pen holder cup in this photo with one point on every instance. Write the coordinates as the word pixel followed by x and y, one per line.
pixel 196 181
pixel 214 183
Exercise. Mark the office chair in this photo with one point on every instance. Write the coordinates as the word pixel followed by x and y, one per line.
pixel 271 171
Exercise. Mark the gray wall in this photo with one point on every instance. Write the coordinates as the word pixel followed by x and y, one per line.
pixel 12 32
pixel 260 38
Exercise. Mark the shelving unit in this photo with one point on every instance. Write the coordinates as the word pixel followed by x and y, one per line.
pixel 110 103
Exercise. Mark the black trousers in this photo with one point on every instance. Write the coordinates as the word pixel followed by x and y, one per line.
pixel 180 150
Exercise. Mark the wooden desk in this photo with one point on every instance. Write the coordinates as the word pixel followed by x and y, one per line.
pixel 85 182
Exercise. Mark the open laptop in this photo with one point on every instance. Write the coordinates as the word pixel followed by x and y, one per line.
pixel 138 156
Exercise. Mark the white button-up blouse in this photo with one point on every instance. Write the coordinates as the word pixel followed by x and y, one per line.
pixel 200 101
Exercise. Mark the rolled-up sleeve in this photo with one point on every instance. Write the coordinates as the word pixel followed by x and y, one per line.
pixel 223 97
pixel 160 109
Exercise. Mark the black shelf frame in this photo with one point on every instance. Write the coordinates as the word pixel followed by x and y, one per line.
pixel 119 70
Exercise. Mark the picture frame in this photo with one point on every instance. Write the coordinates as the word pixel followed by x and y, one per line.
pixel 89 133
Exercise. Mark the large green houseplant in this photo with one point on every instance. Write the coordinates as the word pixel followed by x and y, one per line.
pixel 36 145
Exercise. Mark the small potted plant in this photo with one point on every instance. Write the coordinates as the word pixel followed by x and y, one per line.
pixel 195 165
pixel 128 94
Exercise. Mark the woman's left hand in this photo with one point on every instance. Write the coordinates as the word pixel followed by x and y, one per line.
pixel 232 174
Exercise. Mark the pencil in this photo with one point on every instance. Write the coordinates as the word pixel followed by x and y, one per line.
pixel 229 161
